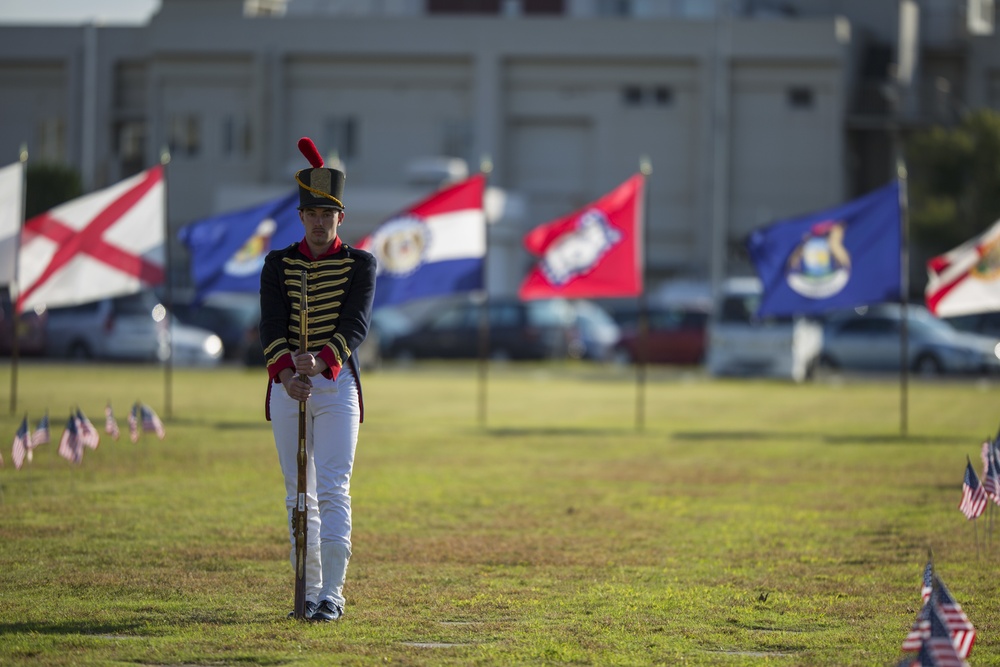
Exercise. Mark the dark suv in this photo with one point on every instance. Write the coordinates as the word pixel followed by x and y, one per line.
pixel 545 329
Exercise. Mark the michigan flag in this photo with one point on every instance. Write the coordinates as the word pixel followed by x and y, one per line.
pixel 228 250
pixel 842 257
pixel 435 247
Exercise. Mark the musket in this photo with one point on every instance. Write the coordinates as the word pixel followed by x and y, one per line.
pixel 299 511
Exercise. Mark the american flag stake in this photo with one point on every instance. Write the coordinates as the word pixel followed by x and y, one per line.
pixel 19 450
pixel 88 433
pixel 110 424
pixel 973 495
pixel 70 446
pixel 41 435
pixel 151 422
pixel 133 423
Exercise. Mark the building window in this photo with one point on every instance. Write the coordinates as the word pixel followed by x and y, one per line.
pixel 236 136
pixel 184 135
pixel 50 136
pixel 614 8
pixel 340 136
pixel 130 146
pixel 663 96
pixel 800 97
pixel 635 95
pixel 456 139
pixel 464 6
pixel 632 96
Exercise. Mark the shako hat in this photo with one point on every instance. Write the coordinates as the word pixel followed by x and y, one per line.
pixel 319 187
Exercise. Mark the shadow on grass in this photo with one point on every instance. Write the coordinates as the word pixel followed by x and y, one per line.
pixel 853 439
pixel 554 431
pixel 117 630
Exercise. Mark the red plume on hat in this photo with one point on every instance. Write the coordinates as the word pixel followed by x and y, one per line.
pixel 308 149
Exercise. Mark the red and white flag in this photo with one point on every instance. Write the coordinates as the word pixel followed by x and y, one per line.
pixel 104 244
pixel 11 217
pixel 966 279
pixel 19 450
pixel 595 252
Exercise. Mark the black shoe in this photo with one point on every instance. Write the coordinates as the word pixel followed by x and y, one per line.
pixel 310 610
pixel 327 611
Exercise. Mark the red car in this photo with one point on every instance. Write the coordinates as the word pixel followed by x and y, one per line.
pixel 676 335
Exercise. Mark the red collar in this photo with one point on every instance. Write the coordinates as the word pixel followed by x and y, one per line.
pixel 334 248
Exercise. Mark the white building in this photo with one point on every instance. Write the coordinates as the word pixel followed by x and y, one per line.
pixel 748 110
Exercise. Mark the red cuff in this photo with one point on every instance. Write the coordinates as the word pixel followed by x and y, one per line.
pixel 283 362
pixel 333 370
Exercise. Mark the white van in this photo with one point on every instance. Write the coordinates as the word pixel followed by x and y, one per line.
pixel 741 344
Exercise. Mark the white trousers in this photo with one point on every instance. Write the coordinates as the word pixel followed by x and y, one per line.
pixel 332 419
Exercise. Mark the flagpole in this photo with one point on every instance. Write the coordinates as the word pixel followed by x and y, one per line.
pixel 486 167
pixel 646 169
pixel 15 347
pixel 904 289
pixel 168 317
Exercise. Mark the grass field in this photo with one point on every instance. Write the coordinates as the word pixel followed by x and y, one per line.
pixel 746 523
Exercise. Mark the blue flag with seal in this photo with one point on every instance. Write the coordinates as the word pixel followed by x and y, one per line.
pixel 227 251
pixel 841 257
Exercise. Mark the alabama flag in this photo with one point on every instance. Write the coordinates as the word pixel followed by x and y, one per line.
pixel 104 244
pixel 434 248
pixel 594 252
pixel 966 280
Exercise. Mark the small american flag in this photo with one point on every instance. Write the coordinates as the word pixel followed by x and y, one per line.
pixel 110 424
pixel 40 436
pixel 19 450
pixel 963 633
pixel 919 630
pixel 973 495
pixel 133 423
pixel 927 585
pixel 938 648
pixel 151 422
pixel 70 446
pixel 88 434
pixel 991 472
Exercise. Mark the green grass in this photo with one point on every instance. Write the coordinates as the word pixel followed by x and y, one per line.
pixel 747 523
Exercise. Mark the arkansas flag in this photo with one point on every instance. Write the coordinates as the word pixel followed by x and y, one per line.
pixel 841 257
pixel 594 252
pixel 104 244
pixel 966 280
pixel 436 247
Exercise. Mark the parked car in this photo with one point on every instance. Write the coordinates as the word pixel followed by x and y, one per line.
pixel 227 316
pixel 542 329
pixel 986 324
pixel 131 327
pixel 30 329
pixel 675 334
pixel 740 343
pixel 870 339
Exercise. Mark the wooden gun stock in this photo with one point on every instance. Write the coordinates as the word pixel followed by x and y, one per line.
pixel 299 512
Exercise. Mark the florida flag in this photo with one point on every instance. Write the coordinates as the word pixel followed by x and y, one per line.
pixel 104 244
pixel 966 280
pixel 594 252
pixel 435 247
pixel 842 257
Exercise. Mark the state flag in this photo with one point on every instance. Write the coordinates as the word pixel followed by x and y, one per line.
pixel 594 252
pixel 837 258
pixel 104 244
